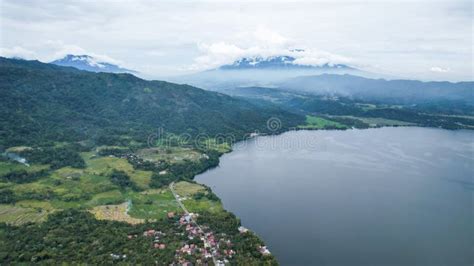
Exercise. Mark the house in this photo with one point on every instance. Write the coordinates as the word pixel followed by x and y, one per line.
pixel 188 217
pixel 264 250
pixel 150 232
pixel 243 229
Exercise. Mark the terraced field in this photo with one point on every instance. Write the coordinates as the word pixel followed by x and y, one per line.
pixel 91 188
pixel 19 215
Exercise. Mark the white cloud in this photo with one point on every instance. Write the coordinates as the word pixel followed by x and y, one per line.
pixel 263 42
pixel 271 38
pixel 50 50
pixel 404 38
pixel 440 69
pixel 17 51
pixel 61 49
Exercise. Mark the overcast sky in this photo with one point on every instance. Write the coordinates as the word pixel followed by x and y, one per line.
pixel 429 40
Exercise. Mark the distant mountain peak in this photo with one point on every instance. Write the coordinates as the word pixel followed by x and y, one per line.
pixel 89 63
pixel 277 62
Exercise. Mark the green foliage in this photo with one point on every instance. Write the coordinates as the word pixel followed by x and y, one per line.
pixel 206 195
pixel 42 103
pixel 313 122
pixel 7 196
pixel 74 237
pixel 22 176
pixel 185 170
pixel 246 244
pixel 121 179
pixel 160 180
pixel 55 157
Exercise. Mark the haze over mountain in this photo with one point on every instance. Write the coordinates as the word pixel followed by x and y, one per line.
pixel 390 91
pixel 265 71
pixel 89 63
pixel 283 62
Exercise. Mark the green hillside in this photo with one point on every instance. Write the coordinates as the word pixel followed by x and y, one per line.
pixel 82 182
pixel 43 103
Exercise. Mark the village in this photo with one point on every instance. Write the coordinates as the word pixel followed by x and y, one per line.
pixel 201 246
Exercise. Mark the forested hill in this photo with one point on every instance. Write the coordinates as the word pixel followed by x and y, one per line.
pixel 42 102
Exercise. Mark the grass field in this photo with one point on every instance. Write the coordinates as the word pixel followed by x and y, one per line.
pixel 91 189
pixel 153 205
pixel 103 166
pixel 187 190
pixel 7 167
pixel 202 205
pixel 313 122
pixel 19 215
pixel 107 198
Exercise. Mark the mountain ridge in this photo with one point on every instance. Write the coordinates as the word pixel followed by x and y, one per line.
pixel 89 63
pixel 45 102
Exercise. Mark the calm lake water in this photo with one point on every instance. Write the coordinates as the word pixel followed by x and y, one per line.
pixel 388 196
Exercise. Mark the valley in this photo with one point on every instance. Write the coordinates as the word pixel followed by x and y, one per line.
pixel 120 154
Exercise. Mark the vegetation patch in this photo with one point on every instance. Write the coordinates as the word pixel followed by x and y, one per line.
pixel 153 205
pixel 188 189
pixel 379 122
pixel 115 213
pixel 169 154
pixel 106 165
pixel 9 166
pixel 107 198
pixel 16 215
pixel 55 157
pixel 314 122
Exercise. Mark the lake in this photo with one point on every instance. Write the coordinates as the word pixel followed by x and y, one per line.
pixel 386 196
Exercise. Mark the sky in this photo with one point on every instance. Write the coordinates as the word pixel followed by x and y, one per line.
pixel 427 40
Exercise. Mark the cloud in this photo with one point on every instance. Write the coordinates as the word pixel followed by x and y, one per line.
pixel 404 38
pixel 50 50
pixel 61 49
pixel 438 69
pixel 271 38
pixel 265 43
pixel 17 51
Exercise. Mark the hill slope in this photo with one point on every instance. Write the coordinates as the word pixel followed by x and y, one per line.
pixel 43 102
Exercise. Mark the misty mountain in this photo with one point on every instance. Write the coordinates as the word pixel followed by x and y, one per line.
pixel 389 91
pixel 261 71
pixel 282 62
pixel 89 63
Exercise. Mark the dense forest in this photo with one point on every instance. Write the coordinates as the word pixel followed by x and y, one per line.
pixel 43 103
pixel 77 237
pixel 447 113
